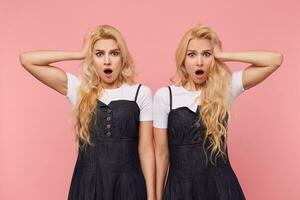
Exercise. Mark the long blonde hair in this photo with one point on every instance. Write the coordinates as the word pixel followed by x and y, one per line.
pixel 90 88
pixel 215 94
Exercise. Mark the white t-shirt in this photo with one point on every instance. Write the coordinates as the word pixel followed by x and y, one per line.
pixel 185 98
pixel 124 92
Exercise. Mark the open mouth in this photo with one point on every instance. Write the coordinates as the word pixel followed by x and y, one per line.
pixel 199 72
pixel 108 71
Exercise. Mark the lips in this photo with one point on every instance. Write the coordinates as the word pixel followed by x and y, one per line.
pixel 199 72
pixel 107 71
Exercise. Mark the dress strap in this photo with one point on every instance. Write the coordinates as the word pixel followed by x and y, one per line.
pixel 137 92
pixel 170 91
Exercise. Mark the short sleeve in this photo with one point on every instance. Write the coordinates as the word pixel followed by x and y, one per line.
pixel 144 100
pixel 161 108
pixel 237 87
pixel 73 84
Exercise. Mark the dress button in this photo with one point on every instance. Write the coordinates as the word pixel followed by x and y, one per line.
pixel 108 126
pixel 108 133
pixel 108 119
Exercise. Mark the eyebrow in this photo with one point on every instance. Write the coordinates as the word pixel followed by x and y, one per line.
pixel 109 50
pixel 196 50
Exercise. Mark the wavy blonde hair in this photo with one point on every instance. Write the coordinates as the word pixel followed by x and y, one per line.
pixel 91 88
pixel 215 94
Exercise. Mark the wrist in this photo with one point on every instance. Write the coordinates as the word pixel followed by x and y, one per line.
pixel 151 197
pixel 80 55
pixel 221 56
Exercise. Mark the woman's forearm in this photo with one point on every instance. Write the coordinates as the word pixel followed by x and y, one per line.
pixel 48 57
pixel 162 163
pixel 148 167
pixel 257 58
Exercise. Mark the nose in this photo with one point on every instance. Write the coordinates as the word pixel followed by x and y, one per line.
pixel 107 60
pixel 199 60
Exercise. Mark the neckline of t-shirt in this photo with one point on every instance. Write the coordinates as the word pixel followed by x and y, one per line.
pixel 186 90
pixel 115 89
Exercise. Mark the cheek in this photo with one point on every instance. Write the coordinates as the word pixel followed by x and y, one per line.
pixel 97 62
pixel 117 63
pixel 189 69
pixel 188 63
pixel 208 61
pixel 115 60
pixel 97 68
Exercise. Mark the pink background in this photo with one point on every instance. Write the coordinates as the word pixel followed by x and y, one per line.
pixel 37 151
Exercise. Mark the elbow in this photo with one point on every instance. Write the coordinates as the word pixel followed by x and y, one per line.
pixel 23 59
pixel 161 153
pixel 278 59
pixel 162 156
pixel 146 150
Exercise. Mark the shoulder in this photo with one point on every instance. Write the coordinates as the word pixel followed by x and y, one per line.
pixel 162 95
pixel 144 92
pixel 237 80
pixel 135 86
pixel 237 74
pixel 237 87
pixel 162 92
pixel 144 89
pixel 141 90
pixel 72 77
pixel 73 85
pixel 73 80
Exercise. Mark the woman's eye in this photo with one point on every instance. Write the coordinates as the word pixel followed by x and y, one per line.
pixel 206 54
pixel 115 53
pixel 191 55
pixel 99 54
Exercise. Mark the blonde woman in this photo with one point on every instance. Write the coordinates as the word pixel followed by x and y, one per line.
pixel 113 117
pixel 191 117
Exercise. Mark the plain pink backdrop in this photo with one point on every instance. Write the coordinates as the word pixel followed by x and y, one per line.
pixel 37 150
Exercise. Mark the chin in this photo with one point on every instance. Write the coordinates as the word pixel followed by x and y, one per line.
pixel 111 81
pixel 199 82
